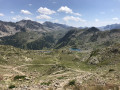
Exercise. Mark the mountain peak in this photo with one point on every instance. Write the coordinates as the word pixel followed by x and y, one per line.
pixel 47 22
pixel 93 29
pixel 29 24
pixel 28 21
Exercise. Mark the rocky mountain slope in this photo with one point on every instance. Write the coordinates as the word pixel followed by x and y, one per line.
pixel 21 39
pixel 89 38
pixel 29 34
pixel 10 28
pixel 105 56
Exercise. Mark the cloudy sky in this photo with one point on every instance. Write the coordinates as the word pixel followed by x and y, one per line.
pixel 71 12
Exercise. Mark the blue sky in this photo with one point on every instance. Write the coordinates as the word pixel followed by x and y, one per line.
pixel 71 12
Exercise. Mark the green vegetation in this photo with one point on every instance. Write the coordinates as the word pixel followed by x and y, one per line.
pixel 19 77
pixel 46 83
pixel 61 77
pixel 29 40
pixel 111 70
pixel 72 82
pixel 72 85
pixel 11 86
pixel 95 52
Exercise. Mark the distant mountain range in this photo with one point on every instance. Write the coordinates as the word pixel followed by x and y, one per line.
pixel 107 27
pixel 29 34
pixel 110 27
pixel 10 28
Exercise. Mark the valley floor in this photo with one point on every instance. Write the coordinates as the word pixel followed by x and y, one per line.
pixel 56 70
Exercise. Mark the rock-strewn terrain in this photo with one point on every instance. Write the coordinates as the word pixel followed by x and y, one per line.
pixel 58 69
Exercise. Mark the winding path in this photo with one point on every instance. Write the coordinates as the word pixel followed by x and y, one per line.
pixel 15 69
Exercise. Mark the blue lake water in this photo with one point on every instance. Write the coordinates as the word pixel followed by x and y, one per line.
pixel 74 49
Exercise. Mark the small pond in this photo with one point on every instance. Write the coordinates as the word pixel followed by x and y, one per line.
pixel 74 49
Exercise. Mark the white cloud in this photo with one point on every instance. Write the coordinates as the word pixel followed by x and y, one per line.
pixel 14 18
pixel 43 17
pixel 67 18
pixel 26 12
pixel 12 12
pixel 67 10
pixel 30 4
pixel 96 20
pixel 77 14
pixel 115 19
pixel 44 10
pixel 27 18
pixel 1 14
pixel 17 18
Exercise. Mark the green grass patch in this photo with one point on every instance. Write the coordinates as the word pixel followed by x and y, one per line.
pixel 19 77
pixel 46 83
pixel 62 77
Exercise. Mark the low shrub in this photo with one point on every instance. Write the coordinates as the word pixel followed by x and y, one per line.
pixel 71 82
pixel 46 83
pixel 19 77
pixel 11 86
